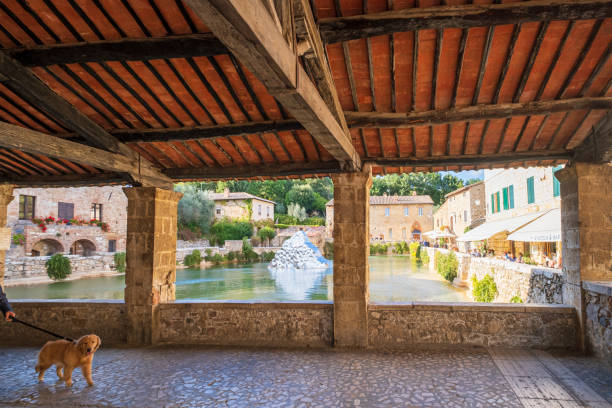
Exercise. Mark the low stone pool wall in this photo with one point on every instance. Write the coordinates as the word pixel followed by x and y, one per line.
pixel 532 284
pixel 303 324
pixel 598 321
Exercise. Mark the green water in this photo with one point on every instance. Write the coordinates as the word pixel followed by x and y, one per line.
pixel 392 279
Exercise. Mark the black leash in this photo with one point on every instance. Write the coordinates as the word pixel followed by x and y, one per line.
pixel 14 319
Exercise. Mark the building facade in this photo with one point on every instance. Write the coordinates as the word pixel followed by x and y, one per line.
pixel 463 209
pixel 512 193
pixel 76 220
pixel 242 206
pixel 394 218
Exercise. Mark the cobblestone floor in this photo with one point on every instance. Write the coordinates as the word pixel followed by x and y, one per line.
pixel 214 377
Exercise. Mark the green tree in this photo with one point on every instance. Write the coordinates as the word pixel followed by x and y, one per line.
pixel 432 184
pixel 303 195
pixel 195 209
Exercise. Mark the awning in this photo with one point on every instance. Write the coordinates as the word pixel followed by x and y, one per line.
pixel 439 234
pixel 547 228
pixel 488 229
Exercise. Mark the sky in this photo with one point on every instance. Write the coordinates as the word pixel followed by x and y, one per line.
pixel 466 175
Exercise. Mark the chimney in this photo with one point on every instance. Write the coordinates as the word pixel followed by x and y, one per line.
pixel 413 193
pixel 226 192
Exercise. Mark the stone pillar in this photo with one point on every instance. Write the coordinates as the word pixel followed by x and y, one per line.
pixel 151 258
pixel 6 196
pixel 586 230
pixel 351 251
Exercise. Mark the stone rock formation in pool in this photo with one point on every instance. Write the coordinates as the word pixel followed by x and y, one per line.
pixel 298 253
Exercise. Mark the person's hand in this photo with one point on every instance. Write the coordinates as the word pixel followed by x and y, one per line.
pixel 9 316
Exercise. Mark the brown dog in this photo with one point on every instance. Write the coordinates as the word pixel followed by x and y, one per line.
pixel 68 355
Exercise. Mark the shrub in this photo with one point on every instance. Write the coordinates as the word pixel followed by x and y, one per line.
pixel 516 299
pixel 266 233
pixel 194 258
pixel 281 226
pixel 247 251
pixel 401 248
pixel 286 219
pixel 18 239
pixel 484 290
pixel 446 265
pixel 231 256
pixel 256 241
pixel 224 230
pixel 267 256
pixel 379 249
pixel 58 267
pixel 119 258
pixel 217 259
pixel 328 250
pixel 415 250
pixel 318 221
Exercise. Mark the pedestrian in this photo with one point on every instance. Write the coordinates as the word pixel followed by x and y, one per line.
pixel 5 307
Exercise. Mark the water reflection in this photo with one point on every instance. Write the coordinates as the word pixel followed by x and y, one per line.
pixel 392 279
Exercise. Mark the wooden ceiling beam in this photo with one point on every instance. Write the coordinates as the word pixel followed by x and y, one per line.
pixel 472 113
pixel 267 170
pixel 31 141
pixel 338 29
pixel 249 32
pixel 25 84
pixel 470 160
pixel 68 180
pixel 126 49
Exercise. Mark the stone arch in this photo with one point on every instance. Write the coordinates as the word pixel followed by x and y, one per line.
pixel 83 247
pixel 415 231
pixel 47 247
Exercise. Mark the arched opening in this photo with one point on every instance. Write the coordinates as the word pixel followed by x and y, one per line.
pixel 83 247
pixel 416 231
pixel 47 247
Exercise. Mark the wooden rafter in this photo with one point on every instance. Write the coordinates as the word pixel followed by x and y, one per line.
pixel 245 29
pixel 337 29
pixel 31 141
pixel 126 49
pixel 21 81
pixel 275 170
pixel 471 113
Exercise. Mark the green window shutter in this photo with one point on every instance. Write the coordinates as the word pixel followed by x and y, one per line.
pixel 556 184
pixel 511 194
pixel 505 195
pixel 492 203
pixel 497 200
pixel 530 191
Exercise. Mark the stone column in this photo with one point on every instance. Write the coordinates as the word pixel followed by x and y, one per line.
pixel 6 196
pixel 586 230
pixel 351 251
pixel 151 258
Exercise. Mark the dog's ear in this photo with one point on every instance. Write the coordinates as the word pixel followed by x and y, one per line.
pixel 98 342
pixel 81 344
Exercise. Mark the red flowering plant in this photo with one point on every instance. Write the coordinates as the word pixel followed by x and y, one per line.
pixel 41 222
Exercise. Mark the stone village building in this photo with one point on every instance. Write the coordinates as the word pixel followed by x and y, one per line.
pixel 393 218
pixel 107 204
pixel 462 208
pixel 242 205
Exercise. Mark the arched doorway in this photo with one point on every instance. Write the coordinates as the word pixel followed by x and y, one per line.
pixel 416 231
pixel 83 247
pixel 47 247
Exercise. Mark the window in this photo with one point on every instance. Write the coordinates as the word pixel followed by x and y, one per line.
pixel 268 212
pixel 96 212
pixel 530 191
pixel 112 245
pixel 511 194
pixel 465 215
pixel 492 203
pixel 65 211
pixel 27 204
pixel 406 211
pixel 258 209
pixel 390 233
pixel 386 211
pixel 556 184
pixel 420 210
pixel 497 202
pixel 218 211
pixel 505 197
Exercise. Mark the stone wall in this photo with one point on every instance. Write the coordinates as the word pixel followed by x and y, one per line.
pixel 72 318
pixel 416 324
pixel 533 284
pixel 67 235
pixel 247 324
pixel 598 328
pixel 20 269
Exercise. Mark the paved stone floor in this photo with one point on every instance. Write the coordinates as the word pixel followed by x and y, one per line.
pixel 215 377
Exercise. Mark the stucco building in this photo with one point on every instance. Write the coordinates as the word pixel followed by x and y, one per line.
pixel 71 231
pixel 463 208
pixel 242 206
pixel 394 218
